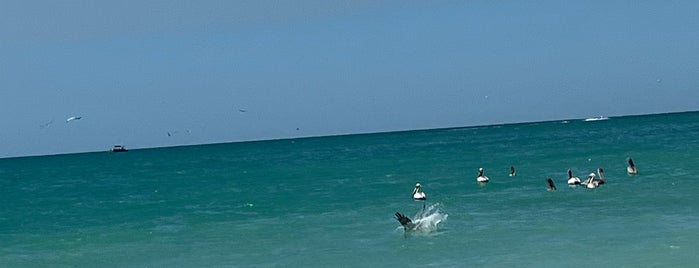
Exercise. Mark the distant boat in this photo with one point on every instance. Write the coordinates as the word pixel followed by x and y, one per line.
pixel 118 148
pixel 599 118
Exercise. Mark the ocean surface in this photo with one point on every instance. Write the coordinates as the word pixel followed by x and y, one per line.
pixel 330 201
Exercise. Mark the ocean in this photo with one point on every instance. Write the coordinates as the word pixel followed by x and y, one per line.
pixel 330 201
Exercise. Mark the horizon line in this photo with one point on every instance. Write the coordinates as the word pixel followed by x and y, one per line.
pixel 343 135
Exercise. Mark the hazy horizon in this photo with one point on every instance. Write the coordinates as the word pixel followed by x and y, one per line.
pixel 107 147
pixel 159 74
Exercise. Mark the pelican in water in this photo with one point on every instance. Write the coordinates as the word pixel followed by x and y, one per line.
pixel 425 222
pixel 512 171
pixel 405 221
pixel 602 178
pixel 481 178
pixel 592 183
pixel 572 180
pixel 551 187
pixel 589 182
pixel 418 194
pixel 631 169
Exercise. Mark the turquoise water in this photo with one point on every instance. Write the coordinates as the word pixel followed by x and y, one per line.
pixel 329 201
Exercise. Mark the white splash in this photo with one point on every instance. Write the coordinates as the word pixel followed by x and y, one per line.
pixel 427 219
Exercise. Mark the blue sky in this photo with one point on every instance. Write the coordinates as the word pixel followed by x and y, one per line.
pixel 136 70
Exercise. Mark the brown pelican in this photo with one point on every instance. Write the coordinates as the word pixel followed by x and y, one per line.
pixel 592 183
pixel 418 194
pixel 631 169
pixel 589 182
pixel 551 186
pixel 405 221
pixel 572 180
pixel 481 178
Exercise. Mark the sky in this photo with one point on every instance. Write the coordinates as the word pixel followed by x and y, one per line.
pixel 167 73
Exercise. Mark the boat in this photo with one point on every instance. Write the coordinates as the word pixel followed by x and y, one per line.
pixel 118 148
pixel 599 118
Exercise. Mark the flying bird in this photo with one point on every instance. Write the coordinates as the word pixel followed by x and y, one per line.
pixel 73 118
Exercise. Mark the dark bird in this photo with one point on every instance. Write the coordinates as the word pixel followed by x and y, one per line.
pixel 405 221
pixel 551 187
pixel 631 169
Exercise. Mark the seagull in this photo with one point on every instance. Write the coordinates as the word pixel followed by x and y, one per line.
pixel 73 118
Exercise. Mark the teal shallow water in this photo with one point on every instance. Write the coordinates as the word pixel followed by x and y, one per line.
pixel 330 201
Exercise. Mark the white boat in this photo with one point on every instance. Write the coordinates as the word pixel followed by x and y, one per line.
pixel 118 148
pixel 599 118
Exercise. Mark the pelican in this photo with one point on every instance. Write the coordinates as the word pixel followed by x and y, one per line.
pixel 512 171
pixel 602 179
pixel 418 194
pixel 631 169
pixel 405 221
pixel 424 222
pixel 590 181
pixel 481 178
pixel 551 187
pixel 572 180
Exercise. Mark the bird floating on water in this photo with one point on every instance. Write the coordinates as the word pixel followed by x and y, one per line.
pixel 572 180
pixel 631 169
pixel 482 178
pixel 551 186
pixel 418 194
pixel 591 182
